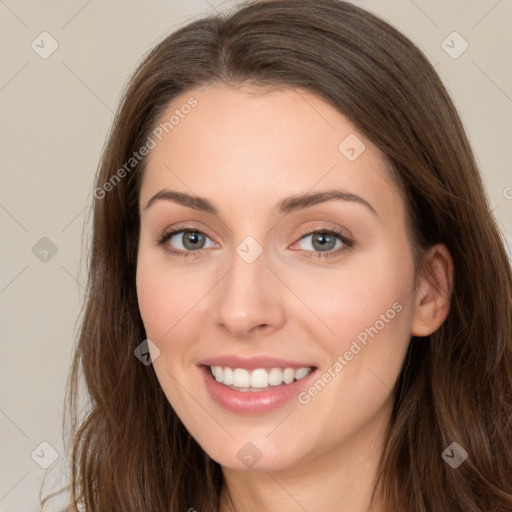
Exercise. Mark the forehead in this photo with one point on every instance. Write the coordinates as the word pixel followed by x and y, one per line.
pixel 255 146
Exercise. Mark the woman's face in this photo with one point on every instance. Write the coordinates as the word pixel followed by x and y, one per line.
pixel 257 285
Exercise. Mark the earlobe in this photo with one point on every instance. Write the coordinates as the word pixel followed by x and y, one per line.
pixel 434 292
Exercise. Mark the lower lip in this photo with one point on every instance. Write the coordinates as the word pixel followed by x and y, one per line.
pixel 252 402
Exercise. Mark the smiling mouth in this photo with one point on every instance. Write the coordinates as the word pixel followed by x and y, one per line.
pixel 260 379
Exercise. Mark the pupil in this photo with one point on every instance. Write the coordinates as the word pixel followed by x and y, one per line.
pixel 324 241
pixel 193 238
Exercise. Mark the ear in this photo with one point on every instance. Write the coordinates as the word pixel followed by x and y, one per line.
pixel 434 291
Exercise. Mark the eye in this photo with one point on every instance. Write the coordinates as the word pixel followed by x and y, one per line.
pixel 186 240
pixel 325 240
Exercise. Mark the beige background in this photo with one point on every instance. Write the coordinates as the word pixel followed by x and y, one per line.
pixel 55 114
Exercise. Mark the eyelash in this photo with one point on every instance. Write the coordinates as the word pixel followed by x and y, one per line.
pixel 348 244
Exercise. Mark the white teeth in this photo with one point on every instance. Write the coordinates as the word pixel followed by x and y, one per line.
pixel 217 373
pixel 288 375
pixel 227 377
pixel 241 378
pixel 257 379
pixel 275 377
pixel 301 373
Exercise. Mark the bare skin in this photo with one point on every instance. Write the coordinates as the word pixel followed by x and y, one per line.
pixel 245 150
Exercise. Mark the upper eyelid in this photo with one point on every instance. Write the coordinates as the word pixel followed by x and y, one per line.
pixel 305 232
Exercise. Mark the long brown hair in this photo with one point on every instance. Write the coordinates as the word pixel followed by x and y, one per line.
pixel 130 451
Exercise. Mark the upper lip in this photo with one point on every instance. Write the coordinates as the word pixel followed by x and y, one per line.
pixel 252 363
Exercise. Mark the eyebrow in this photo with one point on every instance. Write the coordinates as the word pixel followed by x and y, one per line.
pixel 287 205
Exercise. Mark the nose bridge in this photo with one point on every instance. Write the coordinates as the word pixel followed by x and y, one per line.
pixel 249 295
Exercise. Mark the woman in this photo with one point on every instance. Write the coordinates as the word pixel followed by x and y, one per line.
pixel 290 225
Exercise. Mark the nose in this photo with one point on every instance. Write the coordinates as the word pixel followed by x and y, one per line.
pixel 249 299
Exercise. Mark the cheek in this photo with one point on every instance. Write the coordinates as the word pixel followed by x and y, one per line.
pixel 160 302
pixel 170 300
pixel 354 297
pixel 154 303
pixel 383 315
pixel 368 309
pixel 165 302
